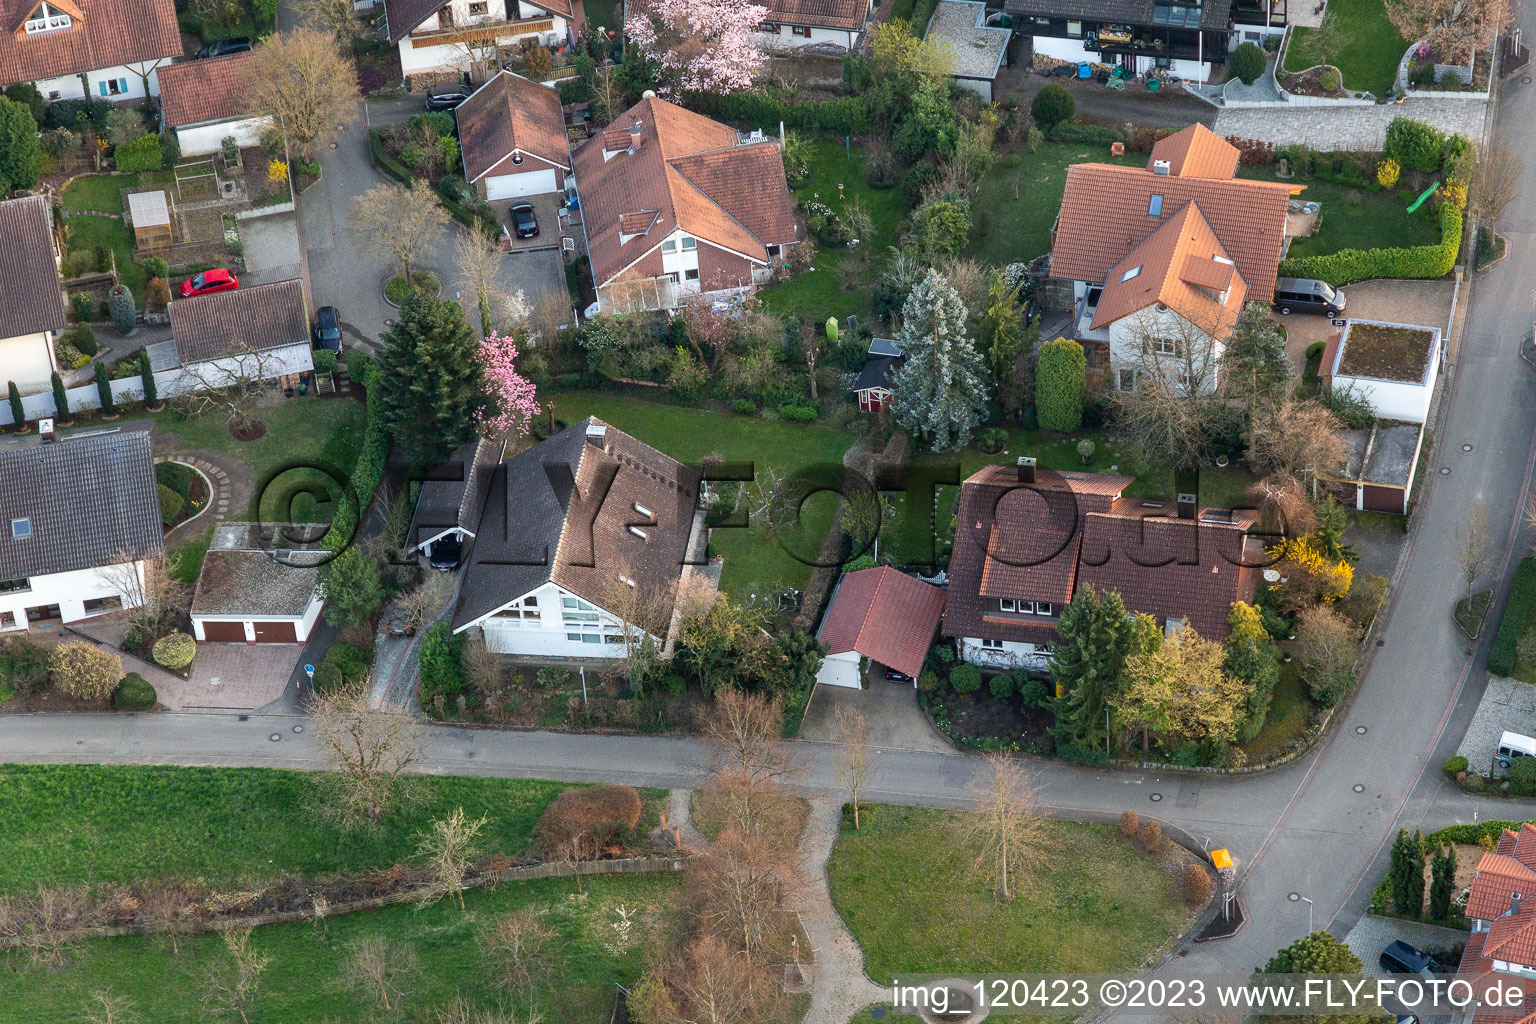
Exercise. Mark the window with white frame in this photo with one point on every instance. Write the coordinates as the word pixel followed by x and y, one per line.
pixel 1007 604
pixel 46 19
pixel 670 245
pixel 991 645
pixel 690 243
pixel 1044 608
pixel 21 527
pixel 1165 346
pixel 690 275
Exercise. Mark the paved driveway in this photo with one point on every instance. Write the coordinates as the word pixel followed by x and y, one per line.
pixel 1424 303
pixel 231 677
pixel 272 251
pixel 895 720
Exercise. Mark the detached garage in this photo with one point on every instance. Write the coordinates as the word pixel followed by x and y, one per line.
pixel 249 597
pixel 512 136
pixel 880 614
pixel 204 102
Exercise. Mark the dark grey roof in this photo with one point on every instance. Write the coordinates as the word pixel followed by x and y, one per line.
pixel 1392 453
pixel 526 508
pixel 30 297
pixel 1214 13
pixel 453 492
pixel 875 373
pixel 884 347
pixel 87 499
pixel 229 323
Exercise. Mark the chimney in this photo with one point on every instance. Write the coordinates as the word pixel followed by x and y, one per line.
pixel 1514 903
pixel 1161 167
pixel 597 434
pixel 1187 503
pixel 1026 470
pixel 45 428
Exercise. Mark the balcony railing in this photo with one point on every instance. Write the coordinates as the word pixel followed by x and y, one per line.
pixel 482 32
pixel 1259 12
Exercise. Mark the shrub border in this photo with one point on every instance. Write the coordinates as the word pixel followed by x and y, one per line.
pixel 1517 611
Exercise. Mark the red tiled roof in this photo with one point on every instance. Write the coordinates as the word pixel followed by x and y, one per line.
pixel 885 615
pixel 108 33
pixel 690 169
pixel 1181 266
pixel 507 115
pixel 1476 969
pixel 1513 937
pixel 197 91
pixel 844 14
pixel 1498 878
pixel 1195 152
pixel 1104 216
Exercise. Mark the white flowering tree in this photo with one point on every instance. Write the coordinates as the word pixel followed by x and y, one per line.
pixel 942 385
pixel 702 45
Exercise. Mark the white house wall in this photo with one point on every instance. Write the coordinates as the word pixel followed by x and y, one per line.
pixel 549 635
pixel 201 139
pixel 68 590
pixel 840 670
pixel 1011 655
pixel 785 40
pixel 69 87
pixel 1127 333
pixel 301 625
pixel 1072 50
pixel 27 360
pixel 1391 400
pixel 449 56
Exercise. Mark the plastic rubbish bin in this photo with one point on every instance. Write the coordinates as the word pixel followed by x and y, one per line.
pixel 1084 70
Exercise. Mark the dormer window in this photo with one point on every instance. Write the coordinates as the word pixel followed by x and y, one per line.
pixel 46 19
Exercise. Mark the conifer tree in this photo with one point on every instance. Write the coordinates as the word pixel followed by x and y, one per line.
pixel 430 384
pixel 1086 662
pixel 942 386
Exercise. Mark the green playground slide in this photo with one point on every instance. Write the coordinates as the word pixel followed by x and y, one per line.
pixel 1427 193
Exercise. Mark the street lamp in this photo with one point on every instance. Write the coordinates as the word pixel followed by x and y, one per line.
pixel 1309 914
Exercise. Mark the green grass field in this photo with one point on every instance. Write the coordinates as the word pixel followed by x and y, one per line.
pixel 1366 51
pixel 838 181
pixel 754 564
pixel 586 957
pixel 1354 218
pixel 73 824
pixel 1022 199
pixel 1290 712
pixel 88 232
pixel 102 193
pixel 905 889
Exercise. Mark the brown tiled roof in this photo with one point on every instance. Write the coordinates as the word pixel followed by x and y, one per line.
pixel 1513 937
pixel 196 91
pixel 1195 152
pixel 1104 216
pixel 726 199
pixel 844 14
pixel 33 300
pixel 224 323
pixel 1180 265
pixel 403 15
pixel 1498 877
pixel 1476 970
pixel 507 115
pixel 112 32
pixel 885 615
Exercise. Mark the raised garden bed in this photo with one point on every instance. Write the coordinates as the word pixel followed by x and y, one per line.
pixel 1310 83
pixel 396 289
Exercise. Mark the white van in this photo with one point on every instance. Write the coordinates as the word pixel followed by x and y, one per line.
pixel 1513 745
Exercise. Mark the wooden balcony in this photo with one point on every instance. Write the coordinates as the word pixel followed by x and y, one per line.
pixel 481 34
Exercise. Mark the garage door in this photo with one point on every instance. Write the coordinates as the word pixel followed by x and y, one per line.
pixel 276 633
pixel 224 632
pixel 528 183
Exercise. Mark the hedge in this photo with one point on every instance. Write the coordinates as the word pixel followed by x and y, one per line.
pixel 764 109
pixel 1059 378
pixel 1346 265
pixel 1460 835
pixel 401 173
pixel 1522 598
pixel 369 469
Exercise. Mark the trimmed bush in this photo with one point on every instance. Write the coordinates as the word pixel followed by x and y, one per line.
pixel 343 665
pixel 1415 144
pixel 1001 685
pixel 1522 598
pixel 177 476
pixel 1196 883
pixel 1052 106
pixel 1060 373
pixel 84 671
pixel 1129 823
pixel 1032 690
pixel 1247 62
pixel 83 338
pixel 134 693
pixel 1422 261
pixel 124 316
pixel 928 680
pixel 142 154
pixel 1329 79
pixel 965 679
pixel 1454 766
pixel 797 413
pixel 171 504
pixel 744 407
pixel 1150 838
pixel 442 669
pixel 18 411
pixel 1522 776
pixel 584 821
pixel 175 651
pixel 325 361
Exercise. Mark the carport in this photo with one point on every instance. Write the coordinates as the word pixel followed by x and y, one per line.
pixel 880 614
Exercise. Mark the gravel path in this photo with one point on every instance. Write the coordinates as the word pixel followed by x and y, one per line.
pixel 839 987
pixel 1348 128
pixel 680 816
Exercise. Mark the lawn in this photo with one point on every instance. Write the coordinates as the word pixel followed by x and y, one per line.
pixel 1366 51
pixel 753 564
pixel 88 232
pixel 186 559
pixel 1290 713
pixel 1022 199
pixel 102 193
pixel 906 893
pixel 837 179
pixel 1353 218
pixel 586 957
pixel 73 824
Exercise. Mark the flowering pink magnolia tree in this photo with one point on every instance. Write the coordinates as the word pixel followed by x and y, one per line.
pixel 703 45
pixel 514 401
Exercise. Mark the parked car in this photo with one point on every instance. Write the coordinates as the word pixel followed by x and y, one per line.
pixel 446 97
pixel 1513 745
pixel 224 47
pixel 1302 295
pixel 445 553
pixel 209 281
pixel 523 220
pixel 897 677
pixel 1401 958
pixel 328 328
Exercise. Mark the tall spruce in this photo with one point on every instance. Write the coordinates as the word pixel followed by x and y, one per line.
pixel 60 399
pixel 1415 879
pixel 1442 882
pixel 430 382
pixel 1405 874
pixel 1095 636
pixel 942 386
pixel 147 378
pixel 18 411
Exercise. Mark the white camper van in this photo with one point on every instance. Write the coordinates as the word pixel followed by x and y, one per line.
pixel 1513 745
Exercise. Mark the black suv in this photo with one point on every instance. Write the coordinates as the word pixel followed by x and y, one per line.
pixel 1301 295
pixel 224 47
pixel 446 97
pixel 328 328
pixel 1401 958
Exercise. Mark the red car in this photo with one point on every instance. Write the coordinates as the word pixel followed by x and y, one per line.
pixel 209 281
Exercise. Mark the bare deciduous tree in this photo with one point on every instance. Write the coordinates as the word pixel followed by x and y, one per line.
pixel 740 887
pixel 706 983
pixel 377 967
pixel 742 732
pixel 460 1012
pixel 148 589
pixel 1454 28
pixel 1293 438
pixel 233 982
pixel 514 946
pixel 368 748
pixel 1496 179
pixel 394 223
pixel 1283 506
pixel 1327 646
pixel 549 312
pixel 336 17
pixel 305 86
pixel 231 385
pixel 449 848
pixel 477 255
pixel 1474 541
pixel 110 1009
pixel 855 762
pixel 426 602
pixel 1007 831
pixel 1170 408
